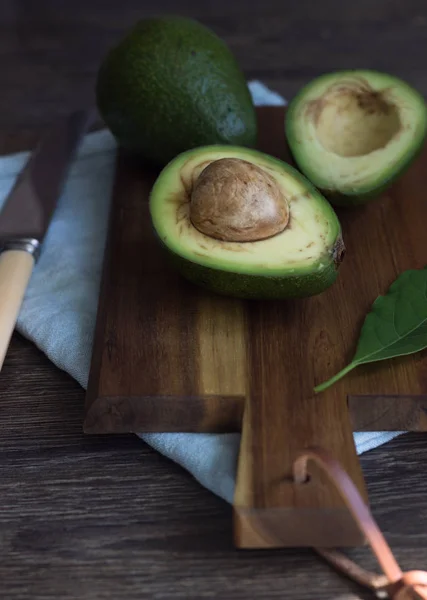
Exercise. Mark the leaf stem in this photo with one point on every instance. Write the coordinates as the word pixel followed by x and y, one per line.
pixel 323 386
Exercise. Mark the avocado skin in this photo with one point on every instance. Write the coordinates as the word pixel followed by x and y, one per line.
pixel 170 85
pixel 357 197
pixel 255 287
pixel 303 283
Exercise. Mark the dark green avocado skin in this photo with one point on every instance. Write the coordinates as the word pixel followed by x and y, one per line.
pixel 170 85
pixel 255 287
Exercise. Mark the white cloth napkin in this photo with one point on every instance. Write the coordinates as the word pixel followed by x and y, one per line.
pixel 59 310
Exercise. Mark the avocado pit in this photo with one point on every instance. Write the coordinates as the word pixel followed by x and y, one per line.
pixel 355 120
pixel 234 200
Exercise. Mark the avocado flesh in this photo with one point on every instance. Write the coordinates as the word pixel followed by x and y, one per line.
pixel 353 133
pixel 172 84
pixel 300 261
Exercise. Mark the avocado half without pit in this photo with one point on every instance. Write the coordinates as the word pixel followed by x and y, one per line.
pixel 352 133
pixel 241 223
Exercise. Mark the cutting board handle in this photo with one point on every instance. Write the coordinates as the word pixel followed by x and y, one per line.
pixel 394 583
pixel 16 267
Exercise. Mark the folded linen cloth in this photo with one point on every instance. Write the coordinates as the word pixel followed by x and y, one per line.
pixel 59 310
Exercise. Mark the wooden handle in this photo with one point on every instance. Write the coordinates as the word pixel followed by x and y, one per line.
pixel 15 271
pixel 281 417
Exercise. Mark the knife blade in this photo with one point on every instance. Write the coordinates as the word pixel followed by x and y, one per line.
pixel 27 213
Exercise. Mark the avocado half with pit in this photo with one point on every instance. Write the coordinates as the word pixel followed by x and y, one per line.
pixel 353 133
pixel 241 223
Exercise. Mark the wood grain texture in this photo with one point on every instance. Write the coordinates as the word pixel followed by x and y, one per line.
pixel 295 345
pixel 160 339
pixel 155 532
pixel 225 414
pixel 281 417
pixel 15 272
pixel 108 517
pixel 168 354
pixel 388 413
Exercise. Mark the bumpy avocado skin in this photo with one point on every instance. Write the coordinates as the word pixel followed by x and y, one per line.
pixel 258 287
pixel 255 287
pixel 171 85
pixel 358 197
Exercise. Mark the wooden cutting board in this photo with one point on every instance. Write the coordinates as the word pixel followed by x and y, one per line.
pixel 168 356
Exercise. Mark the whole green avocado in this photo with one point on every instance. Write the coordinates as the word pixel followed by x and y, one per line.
pixel 170 85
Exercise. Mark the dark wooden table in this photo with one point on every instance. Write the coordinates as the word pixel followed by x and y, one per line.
pixel 107 517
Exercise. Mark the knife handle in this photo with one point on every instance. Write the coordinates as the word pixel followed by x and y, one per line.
pixel 16 267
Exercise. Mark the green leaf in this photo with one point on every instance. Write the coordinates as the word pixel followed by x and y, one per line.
pixel 396 325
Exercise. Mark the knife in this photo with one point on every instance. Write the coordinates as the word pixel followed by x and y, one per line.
pixel 28 211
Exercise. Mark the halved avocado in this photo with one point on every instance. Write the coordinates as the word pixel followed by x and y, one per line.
pixel 241 223
pixel 352 133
